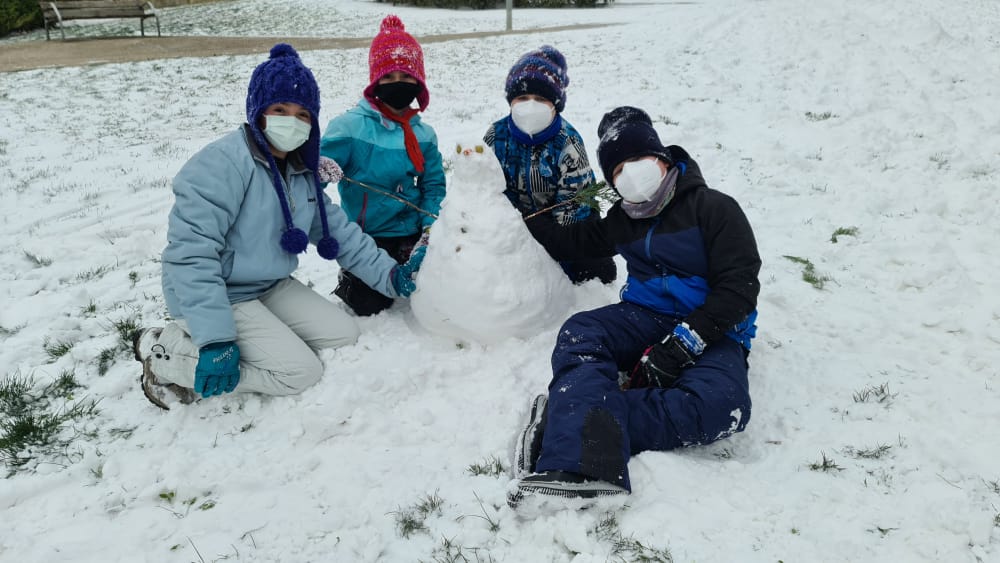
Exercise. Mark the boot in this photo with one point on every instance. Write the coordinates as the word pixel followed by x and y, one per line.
pixel 145 348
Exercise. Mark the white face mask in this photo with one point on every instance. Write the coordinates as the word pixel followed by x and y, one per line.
pixel 286 132
pixel 639 180
pixel 531 116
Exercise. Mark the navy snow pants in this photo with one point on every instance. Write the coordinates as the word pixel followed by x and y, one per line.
pixel 593 426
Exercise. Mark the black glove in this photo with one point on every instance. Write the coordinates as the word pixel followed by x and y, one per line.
pixel 661 364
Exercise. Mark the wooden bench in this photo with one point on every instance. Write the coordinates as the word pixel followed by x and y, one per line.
pixel 58 11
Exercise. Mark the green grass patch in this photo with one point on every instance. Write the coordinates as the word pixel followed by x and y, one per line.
pixel 412 519
pixel 875 394
pixel 491 466
pixel 809 274
pixel 37 260
pixel 627 548
pixel 57 349
pixel 35 421
pixel 843 231
pixel 877 452
pixel 820 116
pixel 825 465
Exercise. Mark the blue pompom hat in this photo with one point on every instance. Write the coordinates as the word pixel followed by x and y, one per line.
pixel 541 72
pixel 283 78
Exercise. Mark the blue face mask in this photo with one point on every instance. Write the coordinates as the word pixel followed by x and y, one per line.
pixel 286 132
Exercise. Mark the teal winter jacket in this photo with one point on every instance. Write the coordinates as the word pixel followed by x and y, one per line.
pixel 370 150
pixel 224 231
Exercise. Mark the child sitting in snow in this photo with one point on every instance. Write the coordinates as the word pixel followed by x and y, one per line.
pixel 246 206
pixel 389 157
pixel 682 329
pixel 542 155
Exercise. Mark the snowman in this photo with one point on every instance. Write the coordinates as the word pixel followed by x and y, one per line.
pixel 485 279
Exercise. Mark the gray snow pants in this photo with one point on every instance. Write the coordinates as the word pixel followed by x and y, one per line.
pixel 278 335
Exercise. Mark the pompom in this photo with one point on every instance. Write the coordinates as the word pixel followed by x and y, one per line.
pixel 391 24
pixel 283 50
pixel 294 241
pixel 328 248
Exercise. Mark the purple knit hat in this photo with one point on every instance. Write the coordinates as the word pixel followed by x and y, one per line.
pixel 283 78
pixel 541 72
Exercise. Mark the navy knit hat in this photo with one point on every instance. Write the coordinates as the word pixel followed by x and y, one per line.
pixel 541 72
pixel 627 132
pixel 283 78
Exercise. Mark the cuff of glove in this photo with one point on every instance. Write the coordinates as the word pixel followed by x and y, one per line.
pixel 216 346
pixel 690 339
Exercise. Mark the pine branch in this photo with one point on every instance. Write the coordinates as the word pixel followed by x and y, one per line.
pixel 592 196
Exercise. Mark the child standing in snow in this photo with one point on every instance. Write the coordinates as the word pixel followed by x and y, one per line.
pixel 542 155
pixel 394 176
pixel 683 327
pixel 246 206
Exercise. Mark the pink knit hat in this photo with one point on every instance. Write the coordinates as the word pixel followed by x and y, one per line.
pixel 394 49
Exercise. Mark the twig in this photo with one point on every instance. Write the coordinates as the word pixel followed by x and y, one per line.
pixel 388 194
pixel 949 482
pixel 196 550
pixel 549 208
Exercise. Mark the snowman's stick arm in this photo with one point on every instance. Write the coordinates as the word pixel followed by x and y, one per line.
pixel 549 208
pixel 388 194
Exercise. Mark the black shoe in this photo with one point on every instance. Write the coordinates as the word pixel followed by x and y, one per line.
pixel 529 442
pixel 561 484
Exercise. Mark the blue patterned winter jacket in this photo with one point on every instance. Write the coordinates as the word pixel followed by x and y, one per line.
pixel 224 231
pixel 545 174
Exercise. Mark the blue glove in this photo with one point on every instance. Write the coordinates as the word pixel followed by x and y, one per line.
pixel 661 364
pixel 218 369
pixel 402 275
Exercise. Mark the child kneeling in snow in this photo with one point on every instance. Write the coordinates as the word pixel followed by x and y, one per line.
pixel 542 156
pixel 246 206
pixel 683 327
pixel 395 179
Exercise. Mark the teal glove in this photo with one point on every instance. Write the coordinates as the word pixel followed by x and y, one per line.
pixel 402 275
pixel 218 369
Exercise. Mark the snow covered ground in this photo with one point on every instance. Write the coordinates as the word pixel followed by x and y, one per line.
pixel 875 434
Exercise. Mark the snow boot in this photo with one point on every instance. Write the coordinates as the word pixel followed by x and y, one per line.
pixel 561 484
pixel 528 446
pixel 158 393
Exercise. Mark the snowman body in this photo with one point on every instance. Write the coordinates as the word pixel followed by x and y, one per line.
pixel 485 278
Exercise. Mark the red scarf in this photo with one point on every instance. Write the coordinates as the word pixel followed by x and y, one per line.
pixel 409 137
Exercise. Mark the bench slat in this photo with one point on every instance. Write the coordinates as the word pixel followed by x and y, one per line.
pixel 74 4
pixel 94 13
pixel 108 12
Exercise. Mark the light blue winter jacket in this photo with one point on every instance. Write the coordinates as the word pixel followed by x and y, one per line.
pixel 224 231
pixel 369 148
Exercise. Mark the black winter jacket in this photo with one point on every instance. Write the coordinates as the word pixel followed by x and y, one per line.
pixel 696 260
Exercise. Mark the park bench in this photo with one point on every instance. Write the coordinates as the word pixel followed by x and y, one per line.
pixel 58 11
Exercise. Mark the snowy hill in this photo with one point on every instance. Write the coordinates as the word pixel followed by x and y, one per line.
pixel 861 138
